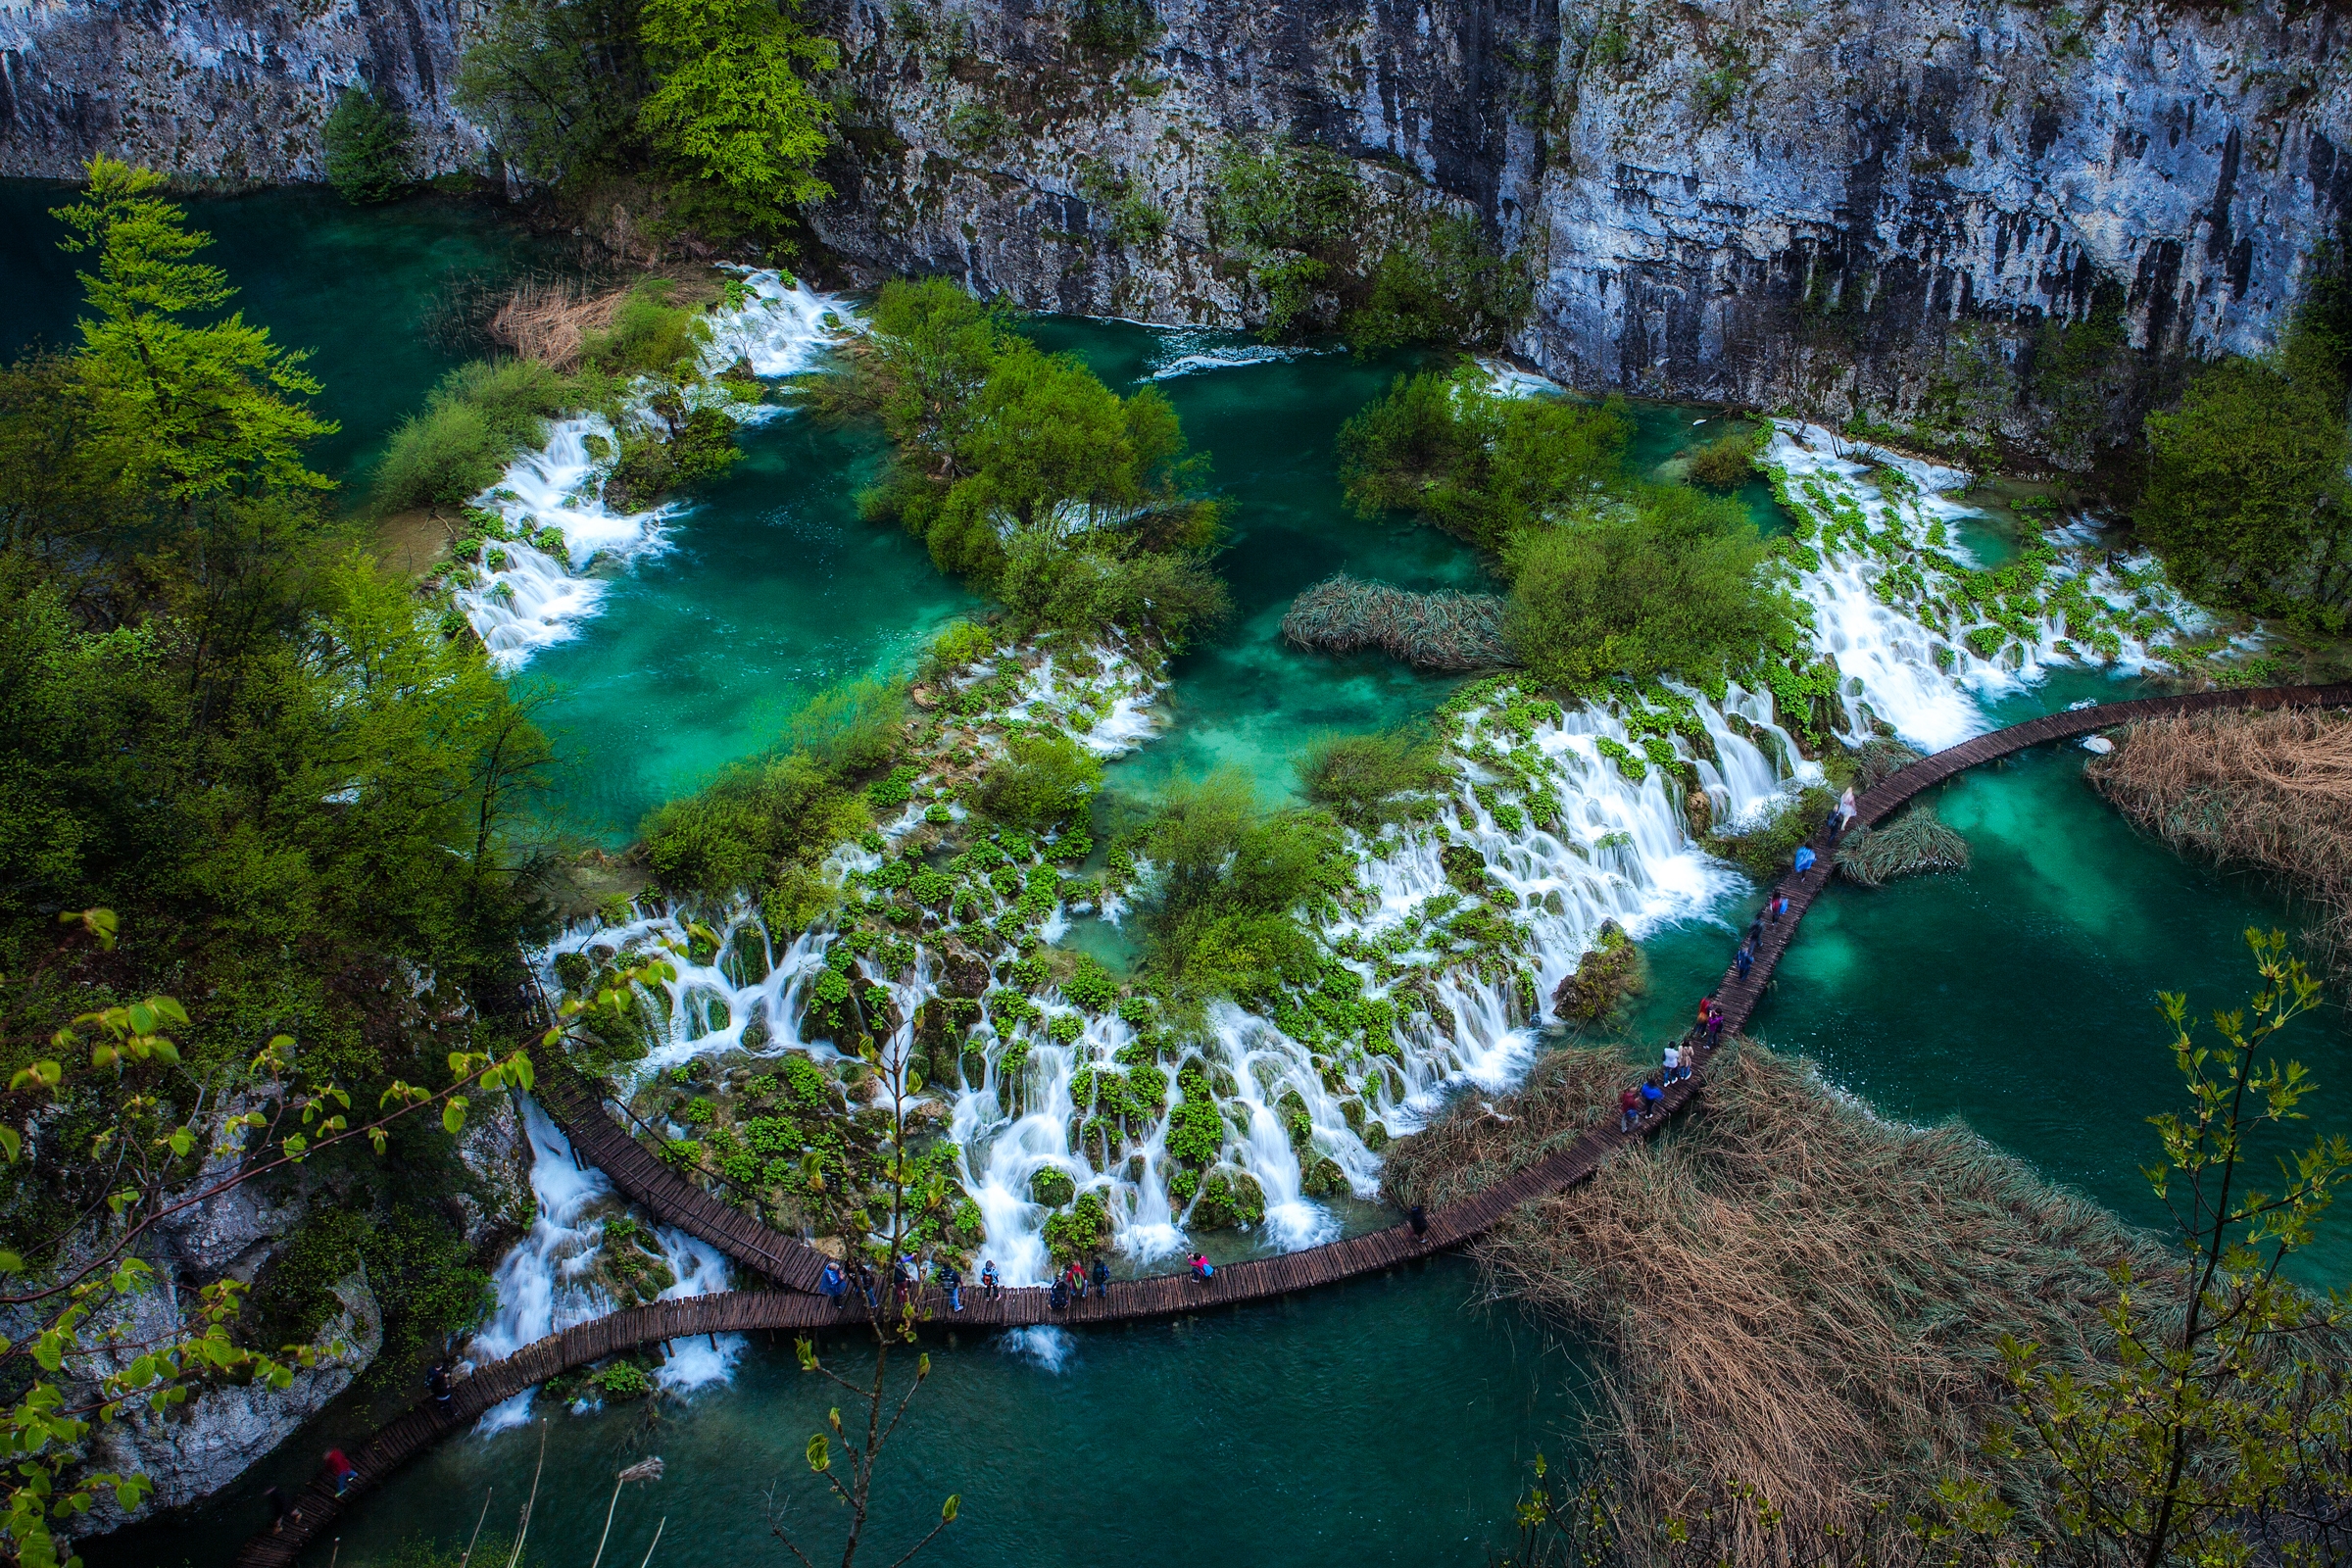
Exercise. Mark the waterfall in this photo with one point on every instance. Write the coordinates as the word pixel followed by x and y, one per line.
pixel 547 1283
pixel 539 585
pixel 1564 839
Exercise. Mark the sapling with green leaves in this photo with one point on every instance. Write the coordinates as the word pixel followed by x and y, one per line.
pixel 169 1141
pixel 919 1203
pixel 2221 1430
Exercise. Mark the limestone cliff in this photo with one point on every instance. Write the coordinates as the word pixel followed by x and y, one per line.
pixel 228 91
pixel 1763 201
pixel 1723 199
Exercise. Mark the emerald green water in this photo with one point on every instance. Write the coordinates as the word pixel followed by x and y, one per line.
pixel 1383 1421
pixel 366 288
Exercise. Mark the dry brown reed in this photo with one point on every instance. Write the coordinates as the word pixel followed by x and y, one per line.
pixel 2272 790
pixel 550 318
pixel 1444 630
pixel 1785 1290
pixel 1915 841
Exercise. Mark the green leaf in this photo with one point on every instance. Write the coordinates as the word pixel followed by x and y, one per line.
pixel 453 1115
pixel 820 1456
pixel 182 1141
pixel 949 1509
pixel 12 1143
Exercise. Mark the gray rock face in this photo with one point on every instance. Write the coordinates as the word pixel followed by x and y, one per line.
pixel 222 90
pixel 1706 190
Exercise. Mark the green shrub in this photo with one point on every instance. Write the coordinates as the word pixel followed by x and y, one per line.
pixel 1451 287
pixel 1224 917
pixel 649 335
pixel 1663 584
pixel 1476 463
pixel 368 143
pixel 1083 1232
pixel 852 727
pixel 1358 778
pixel 697 444
pixel 622 1380
pixel 958 645
pixel 760 825
pixel 1727 462
pixel 1043 779
pixel 471 427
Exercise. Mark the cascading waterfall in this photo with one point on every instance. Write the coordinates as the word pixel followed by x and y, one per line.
pixel 538 585
pixel 1597 846
pixel 1888 611
pixel 548 1282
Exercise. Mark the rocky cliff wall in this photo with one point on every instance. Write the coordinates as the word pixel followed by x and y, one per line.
pixel 1760 200
pixel 231 92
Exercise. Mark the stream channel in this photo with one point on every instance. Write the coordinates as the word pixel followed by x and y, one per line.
pixel 1384 1421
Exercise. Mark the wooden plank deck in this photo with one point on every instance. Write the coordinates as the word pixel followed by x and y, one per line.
pixel 638 1173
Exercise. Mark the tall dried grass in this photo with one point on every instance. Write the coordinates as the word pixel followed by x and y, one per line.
pixel 1443 630
pixel 2267 788
pixel 1915 841
pixel 550 318
pixel 1786 1291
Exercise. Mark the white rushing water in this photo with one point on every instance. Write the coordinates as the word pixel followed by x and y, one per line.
pixel 548 1282
pixel 536 588
pixel 1446 950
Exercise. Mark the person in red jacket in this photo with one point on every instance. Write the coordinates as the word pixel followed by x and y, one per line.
pixel 1629 1105
pixel 341 1471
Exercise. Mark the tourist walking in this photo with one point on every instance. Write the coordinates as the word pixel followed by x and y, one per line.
pixel 1714 1027
pixel 866 1285
pixel 341 1471
pixel 1673 1052
pixel 1102 1279
pixel 834 1284
pixel 1628 1107
pixel 1755 927
pixel 953 1283
pixel 989 1284
pixel 1805 858
pixel 1653 1092
pixel 1202 1270
pixel 1060 1296
pixel 1745 959
pixel 277 1500
pixel 1418 1218
pixel 1847 811
pixel 1780 906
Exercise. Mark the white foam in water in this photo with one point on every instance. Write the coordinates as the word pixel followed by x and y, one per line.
pixel 1925 680
pixel 1050 1348
pixel 1618 850
pixel 539 597
pixel 1510 381
pixel 1191 352
pixel 547 1283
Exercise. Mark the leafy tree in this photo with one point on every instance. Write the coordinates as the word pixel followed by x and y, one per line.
pixel 1662 584
pixel 469 429
pixel 201 410
pixel 1043 779
pixel 730 106
pixel 368 152
pixel 1479 465
pixel 558 85
pixel 2248 498
pixel 1027 475
pixel 1451 287
pixel 2220 1433
pixel 164 1141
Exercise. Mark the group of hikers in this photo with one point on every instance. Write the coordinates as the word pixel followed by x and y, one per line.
pixel 1073 1283
pixel 1640 1100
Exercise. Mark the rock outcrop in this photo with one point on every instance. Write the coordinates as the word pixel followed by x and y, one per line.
pixel 1772 202
pixel 231 92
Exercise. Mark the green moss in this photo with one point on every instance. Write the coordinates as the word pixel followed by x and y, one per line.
pixel 1051 1187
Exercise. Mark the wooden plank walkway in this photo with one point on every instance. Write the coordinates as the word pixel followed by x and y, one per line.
pixel 639 1174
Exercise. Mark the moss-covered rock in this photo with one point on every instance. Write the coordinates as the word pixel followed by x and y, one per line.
pixel 1228 1199
pixel 1081 1232
pixel 1324 1179
pixel 1051 1187
pixel 1606 977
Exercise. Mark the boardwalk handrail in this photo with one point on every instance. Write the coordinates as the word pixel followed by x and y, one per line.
pixel 637 1172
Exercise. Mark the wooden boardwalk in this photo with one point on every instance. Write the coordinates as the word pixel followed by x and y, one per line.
pixel 794 1264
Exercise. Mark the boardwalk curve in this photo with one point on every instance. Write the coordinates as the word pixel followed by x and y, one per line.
pixel 791 1262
